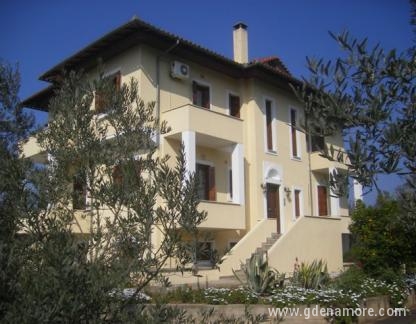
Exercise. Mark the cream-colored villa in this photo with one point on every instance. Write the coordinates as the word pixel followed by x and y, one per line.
pixel 265 188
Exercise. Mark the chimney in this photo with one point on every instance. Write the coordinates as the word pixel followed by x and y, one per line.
pixel 240 42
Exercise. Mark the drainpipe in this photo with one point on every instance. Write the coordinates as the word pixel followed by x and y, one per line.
pixel 158 57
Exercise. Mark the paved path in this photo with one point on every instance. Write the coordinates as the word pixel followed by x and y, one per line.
pixel 409 319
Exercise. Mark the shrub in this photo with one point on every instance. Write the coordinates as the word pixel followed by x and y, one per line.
pixel 350 279
pixel 259 277
pixel 311 275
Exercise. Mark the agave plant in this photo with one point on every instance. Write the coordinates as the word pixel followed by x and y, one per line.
pixel 311 275
pixel 259 277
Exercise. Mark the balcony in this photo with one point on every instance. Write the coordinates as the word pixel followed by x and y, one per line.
pixel 223 215
pixel 319 163
pixel 214 128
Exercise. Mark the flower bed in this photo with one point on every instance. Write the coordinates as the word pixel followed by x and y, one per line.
pixel 291 295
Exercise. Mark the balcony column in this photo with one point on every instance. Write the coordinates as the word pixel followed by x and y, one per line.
pixel 237 167
pixel 333 200
pixel 188 141
pixel 358 191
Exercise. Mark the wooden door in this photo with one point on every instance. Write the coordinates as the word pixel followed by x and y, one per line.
pixel 273 203
pixel 322 201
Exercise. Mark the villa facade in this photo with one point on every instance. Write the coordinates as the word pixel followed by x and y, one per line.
pixel 263 184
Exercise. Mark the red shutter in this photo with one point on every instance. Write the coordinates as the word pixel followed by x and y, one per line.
pixel 322 201
pixel 212 192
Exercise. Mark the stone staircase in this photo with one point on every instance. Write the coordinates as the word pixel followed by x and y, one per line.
pixel 265 246
pixel 261 250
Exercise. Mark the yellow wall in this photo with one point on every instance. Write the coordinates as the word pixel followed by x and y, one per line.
pixel 220 132
pixel 311 238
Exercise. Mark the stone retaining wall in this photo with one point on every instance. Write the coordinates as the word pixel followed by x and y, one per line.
pixel 312 311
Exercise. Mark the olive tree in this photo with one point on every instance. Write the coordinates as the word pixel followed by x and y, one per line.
pixel 97 206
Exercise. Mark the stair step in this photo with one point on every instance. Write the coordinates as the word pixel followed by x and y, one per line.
pixel 275 235
pixel 266 246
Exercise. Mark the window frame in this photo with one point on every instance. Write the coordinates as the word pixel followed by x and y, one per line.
pixel 326 201
pixel 235 95
pixel 273 125
pixel 79 197
pixel 294 137
pixel 211 189
pixel 207 262
pixel 99 103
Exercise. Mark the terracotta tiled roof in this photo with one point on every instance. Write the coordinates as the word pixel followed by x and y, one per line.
pixel 270 69
pixel 275 63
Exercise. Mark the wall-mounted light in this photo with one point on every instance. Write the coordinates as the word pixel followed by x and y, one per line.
pixel 287 190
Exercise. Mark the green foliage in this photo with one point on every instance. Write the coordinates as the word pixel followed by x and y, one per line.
pixel 311 275
pixel 61 272
pixel 15 194
pixel 258 276
pixel 350 279
pixel 381 245
pixel 369 93
pixel 184 295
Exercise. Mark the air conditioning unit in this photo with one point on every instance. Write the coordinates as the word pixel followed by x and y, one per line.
pixel 179 70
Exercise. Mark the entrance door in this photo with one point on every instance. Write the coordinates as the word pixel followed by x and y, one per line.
pixel 273 206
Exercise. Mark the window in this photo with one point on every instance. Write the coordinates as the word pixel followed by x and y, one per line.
pixel 200 95
pixel 204 251
pixel 293 133
pixel 231 244
pixel 317 143
pixel 120 179
pixel 347 242
pixel 79 191
pixel 117 175
pixel 234 105
pixel 269 125
pixel 206 182
pixel 297 202
pixel 322 201
pixel 102 102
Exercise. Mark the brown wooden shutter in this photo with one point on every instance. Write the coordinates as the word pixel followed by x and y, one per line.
pixel 79 194
pixel 269 126
pixel 194 92
pixel 230 179
pixel 117 81
pixel 322 201
pixel 99 102
pixel 117 175
pixel 212 192
pixel 293 132
pixel 234 102
pixel 297 203
pixel 205 97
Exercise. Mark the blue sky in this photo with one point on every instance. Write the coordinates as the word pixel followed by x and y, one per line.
pixel 37 34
